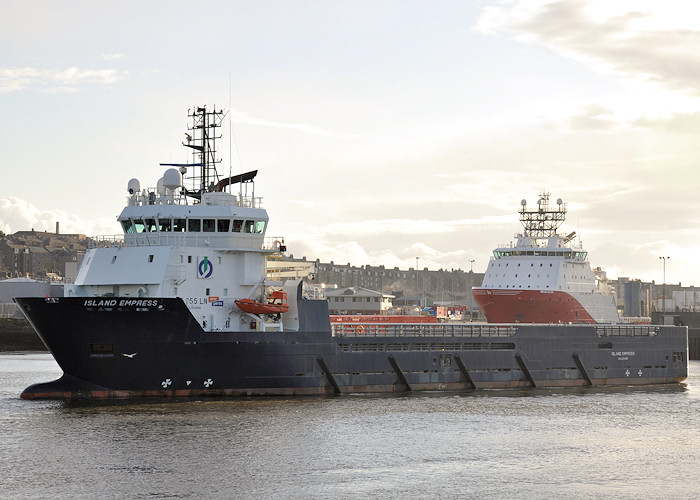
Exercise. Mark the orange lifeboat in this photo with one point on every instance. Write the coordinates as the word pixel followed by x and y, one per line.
pixel 276 304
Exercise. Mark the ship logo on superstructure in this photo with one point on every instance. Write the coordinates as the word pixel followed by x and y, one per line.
pixel 205 268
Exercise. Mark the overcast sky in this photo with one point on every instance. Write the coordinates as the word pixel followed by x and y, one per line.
pixel 382 130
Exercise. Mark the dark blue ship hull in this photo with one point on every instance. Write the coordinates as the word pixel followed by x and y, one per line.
pixel 125 347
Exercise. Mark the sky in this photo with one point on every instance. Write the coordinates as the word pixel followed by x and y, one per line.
pixel 382 131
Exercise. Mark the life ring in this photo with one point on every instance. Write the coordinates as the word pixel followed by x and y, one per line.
pixel 359 329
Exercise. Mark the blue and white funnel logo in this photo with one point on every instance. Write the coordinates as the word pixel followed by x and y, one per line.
pixel 204 268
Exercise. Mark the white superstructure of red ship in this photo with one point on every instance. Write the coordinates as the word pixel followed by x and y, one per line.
pixel 545 277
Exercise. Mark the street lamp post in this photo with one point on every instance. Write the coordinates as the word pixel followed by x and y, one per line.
pixel 417 293
pixel 471 284
pixel 663 307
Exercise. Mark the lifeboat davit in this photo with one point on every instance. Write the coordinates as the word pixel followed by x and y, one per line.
pixel 276 304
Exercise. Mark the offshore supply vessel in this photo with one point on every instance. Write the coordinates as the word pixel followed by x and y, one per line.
pixel 545 277
pixel 183 305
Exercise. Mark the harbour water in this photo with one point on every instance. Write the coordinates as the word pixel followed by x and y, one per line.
pixel 576 443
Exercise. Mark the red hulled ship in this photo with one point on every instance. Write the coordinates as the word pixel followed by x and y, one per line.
pixel 545 277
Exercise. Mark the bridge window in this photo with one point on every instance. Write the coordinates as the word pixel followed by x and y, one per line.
pixel 139 226
pixel 248 226
pixel 237 225
pixel 223 225
pixel 194 225
pixel 128 226
pixel 259 226
pixel 208 225
pixel 179 225
pixel 151 225
pixel 165 224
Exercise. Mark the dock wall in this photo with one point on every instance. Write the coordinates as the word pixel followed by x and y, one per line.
pixel 694 343
pixel 16 334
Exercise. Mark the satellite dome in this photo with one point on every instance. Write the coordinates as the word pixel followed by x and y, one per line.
pixel 559 201
pixel 172 178
pixel 159 187
pixel 134 186
pixel 523 202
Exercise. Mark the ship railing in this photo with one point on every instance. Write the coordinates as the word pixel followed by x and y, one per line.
pixel 10 310
pixel 274 243
pixel 151 197
pixel 212 240
pixel 106 241
pixel 623 330
pixel 421 330
pixel 250 201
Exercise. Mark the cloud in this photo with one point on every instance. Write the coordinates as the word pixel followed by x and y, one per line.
pixel 17 79
pixel 679 123
pixel 593 117
pixel 19 215
pixel 13 79
pixel 388 227
pixel 241 117
pixel 74 75
pixel 357 254
pixel 111 57
pixel 625 41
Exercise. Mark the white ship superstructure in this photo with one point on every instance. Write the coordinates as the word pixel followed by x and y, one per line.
pixel 205 245
pixel 544 277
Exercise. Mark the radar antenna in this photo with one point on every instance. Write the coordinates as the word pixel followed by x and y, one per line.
pixel 201 139
pixel 543 222
pixel 203 145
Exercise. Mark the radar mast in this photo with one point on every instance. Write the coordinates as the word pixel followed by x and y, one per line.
pixel 202 141
pixel 543 222
pixel 203 145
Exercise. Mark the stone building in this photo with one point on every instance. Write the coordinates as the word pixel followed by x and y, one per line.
pixel 38 253
pixel 357 300
pixel 407 286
